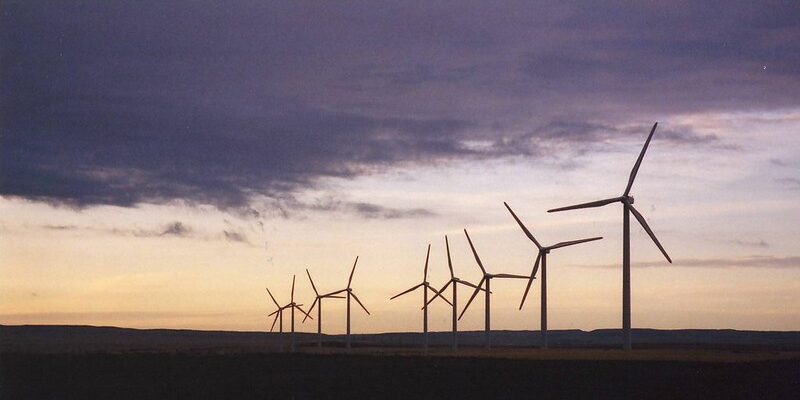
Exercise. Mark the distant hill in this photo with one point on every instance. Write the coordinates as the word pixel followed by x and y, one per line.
pixel 72 339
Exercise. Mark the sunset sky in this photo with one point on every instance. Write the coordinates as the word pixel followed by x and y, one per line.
pixel 161 163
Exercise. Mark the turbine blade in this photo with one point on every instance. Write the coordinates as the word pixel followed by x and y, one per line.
pixel 530 279
pixel 475 253
pixel 312 282
pixel 273 299
pixel 301 310
pixel 598 203
pixel 649 231
pixel 404 292
pixel 470 284
pixel 639 160
pixel 334 293
pixel 449 261
pixel 349 281
pixel 360 303
pixel 572 242
pixel 314 304
pixel 475 293
pixel 439 293
pixel 292 298
pixel 273 322
pixel 512 276
pixel 273 313
pixel 524 228
pixel 427 256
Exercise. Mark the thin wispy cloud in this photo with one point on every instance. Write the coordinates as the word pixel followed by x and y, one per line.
pixel 734 262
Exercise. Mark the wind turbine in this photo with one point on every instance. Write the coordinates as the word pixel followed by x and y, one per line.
pixel 350 294
pixel 542 256
pixel 487 277
pixel 318 300
pixel 291 306
pixel 627 209
pixel 454 281
pixel 425 287
pixel 277 313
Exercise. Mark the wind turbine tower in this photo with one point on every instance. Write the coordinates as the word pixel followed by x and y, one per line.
pixel 542 256
pixel 425 287
pixel 487 278
pixel 627 208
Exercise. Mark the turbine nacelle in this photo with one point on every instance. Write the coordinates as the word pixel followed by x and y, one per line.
pixel 627 200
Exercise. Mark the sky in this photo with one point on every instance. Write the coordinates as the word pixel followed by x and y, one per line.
pixel 162 163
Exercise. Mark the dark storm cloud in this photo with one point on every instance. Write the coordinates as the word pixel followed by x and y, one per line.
pixel 123 103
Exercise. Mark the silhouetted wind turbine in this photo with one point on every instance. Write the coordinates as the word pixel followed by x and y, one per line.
pixel 627 209
pixel 487 277
pixel 291 306
pixel 425 287
pixel 277 313
pixel 454 281
pixel 350 294
pixel 542 256
pixel 318 300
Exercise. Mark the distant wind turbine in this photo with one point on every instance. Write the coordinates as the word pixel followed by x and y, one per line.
pixel 350 294
pixel 627 209
pixel 318 303
pixel 542 256
pixel 425 287
pixel 291 306
pixel 277 313
pixel 455 282
pixel 487 278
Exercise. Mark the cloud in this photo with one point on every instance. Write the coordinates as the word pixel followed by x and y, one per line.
pixel 752 243
pixel 152 102
pixel 790 183
pixel 60 227
pixel 362 209
pixel 368 210
pixel 740 262
pixel 176 228
pixel 235 236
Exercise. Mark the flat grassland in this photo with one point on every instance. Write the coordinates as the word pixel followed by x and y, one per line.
pixel 83 363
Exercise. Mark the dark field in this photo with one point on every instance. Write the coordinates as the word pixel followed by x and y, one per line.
pixel 285 376
pixel 112 363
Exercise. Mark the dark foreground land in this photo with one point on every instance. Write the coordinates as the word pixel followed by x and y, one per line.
pixel 112 363
pixel 307 376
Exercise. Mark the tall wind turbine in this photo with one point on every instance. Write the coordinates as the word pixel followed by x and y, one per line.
pixel 542 256
pixel 425 287
pixel 291 306
pixel 455 282
pixel 350 294
pixel 318 300
pixel 627 209
pixel 487 278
